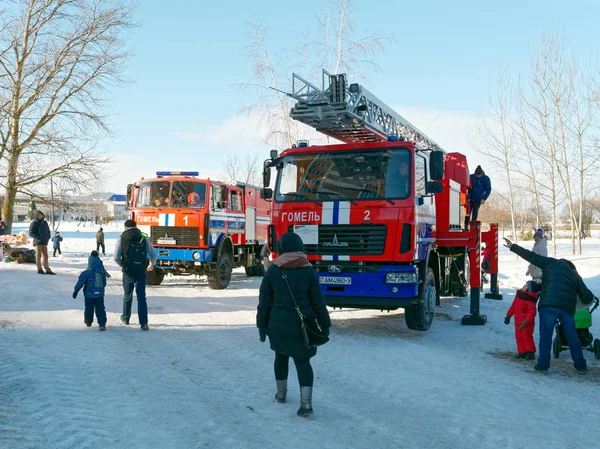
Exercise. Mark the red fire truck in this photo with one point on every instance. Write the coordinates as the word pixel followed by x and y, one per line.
pixel 199 226
pixel 380 215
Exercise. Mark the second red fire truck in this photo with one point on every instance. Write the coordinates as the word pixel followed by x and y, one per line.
pixel 200 226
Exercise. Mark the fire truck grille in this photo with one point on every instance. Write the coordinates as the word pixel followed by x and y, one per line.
pixel 183 236
pixel 346 240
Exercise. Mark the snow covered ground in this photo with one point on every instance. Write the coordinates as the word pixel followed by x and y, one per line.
pixel 201 378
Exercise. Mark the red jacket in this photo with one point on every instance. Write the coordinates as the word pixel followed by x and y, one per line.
pixel 523 307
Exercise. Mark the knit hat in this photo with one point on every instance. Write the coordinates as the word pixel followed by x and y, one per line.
pixel 479 170
pixel 130 223
pixel 290 242
pixel 94 253
pixel 539 234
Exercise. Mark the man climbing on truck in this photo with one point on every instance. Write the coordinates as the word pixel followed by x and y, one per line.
pixel 478 193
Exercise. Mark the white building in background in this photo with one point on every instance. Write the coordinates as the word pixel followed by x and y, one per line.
pixel 85 208
pixel 116 206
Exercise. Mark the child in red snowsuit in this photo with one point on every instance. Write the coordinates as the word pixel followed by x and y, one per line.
pixel 523 309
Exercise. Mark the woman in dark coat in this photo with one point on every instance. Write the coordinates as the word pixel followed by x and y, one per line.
pixel 277 316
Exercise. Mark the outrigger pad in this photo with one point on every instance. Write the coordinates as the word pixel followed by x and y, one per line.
pixel 497 296
pixel 474 320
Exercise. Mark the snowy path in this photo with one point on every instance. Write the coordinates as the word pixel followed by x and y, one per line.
pixel 200 377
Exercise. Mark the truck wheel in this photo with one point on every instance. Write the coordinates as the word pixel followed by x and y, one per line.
pixel 420 316
pixel 219 277
pixel 260 269
pixel 460 284
pixel 597 349
pixel 556 346
pixel 154 277
pixel 250 271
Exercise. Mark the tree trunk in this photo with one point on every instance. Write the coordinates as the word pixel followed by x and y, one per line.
pixel 11 191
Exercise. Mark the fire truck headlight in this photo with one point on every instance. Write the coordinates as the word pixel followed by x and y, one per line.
pixel 196 255
pixel 401 278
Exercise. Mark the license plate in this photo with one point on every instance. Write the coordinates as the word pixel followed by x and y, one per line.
pixel 335 280
pixel 167 242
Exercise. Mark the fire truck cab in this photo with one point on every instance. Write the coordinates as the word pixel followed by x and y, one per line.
pixel 200 226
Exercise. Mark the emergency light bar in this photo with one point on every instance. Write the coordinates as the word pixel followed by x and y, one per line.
pixel 177 173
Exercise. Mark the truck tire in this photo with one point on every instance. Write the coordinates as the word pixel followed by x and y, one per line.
pixel 420 316
pixel 219 277
pixel 154 277
pixel 460 286
pixel 259 269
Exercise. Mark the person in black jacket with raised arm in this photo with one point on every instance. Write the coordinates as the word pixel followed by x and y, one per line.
pixel 277 317
pixel 558 300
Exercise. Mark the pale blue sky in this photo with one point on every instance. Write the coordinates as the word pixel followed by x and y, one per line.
pixel 189 54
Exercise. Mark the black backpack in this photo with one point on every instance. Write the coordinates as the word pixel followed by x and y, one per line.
pixel 136 259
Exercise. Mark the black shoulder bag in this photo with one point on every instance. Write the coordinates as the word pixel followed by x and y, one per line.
pixel 313 333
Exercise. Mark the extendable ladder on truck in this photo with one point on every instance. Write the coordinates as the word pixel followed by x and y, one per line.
pixel 350 113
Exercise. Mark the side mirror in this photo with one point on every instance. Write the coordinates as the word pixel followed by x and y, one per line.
pixel 267 173
pixel 436 165
pixel 274 154
pixel 129 199
pixel 266 194
pixel 433 187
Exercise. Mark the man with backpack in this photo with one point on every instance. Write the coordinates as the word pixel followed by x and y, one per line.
pixel 135 254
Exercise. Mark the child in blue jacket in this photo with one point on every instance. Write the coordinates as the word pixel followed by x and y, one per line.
pixel 93 281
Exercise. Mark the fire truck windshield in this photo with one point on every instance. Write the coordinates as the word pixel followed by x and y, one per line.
pixel 353 175
pixel 176 194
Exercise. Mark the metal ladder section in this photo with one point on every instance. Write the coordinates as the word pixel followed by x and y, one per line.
pixel 350 113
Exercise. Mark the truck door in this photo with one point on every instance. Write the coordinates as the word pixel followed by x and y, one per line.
pixel 424 206
pixel 235 216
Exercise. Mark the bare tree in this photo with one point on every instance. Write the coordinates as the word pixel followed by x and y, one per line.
pixel 584 120
pixel 246 168
pixel 58 61
pixel 332 43
pixel 496 138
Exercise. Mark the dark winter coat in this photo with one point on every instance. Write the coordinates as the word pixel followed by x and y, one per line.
pixel 562 284
pixel 480 188
pixel 276 311
pixel 100 237
pixel 92 280
pixel 39 231
pixel 56 241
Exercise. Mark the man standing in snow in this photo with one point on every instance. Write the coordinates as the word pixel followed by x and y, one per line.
pixel 40 232
pixel 135 254
pixel 478 193
pixel 558 299
pixel 100 242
